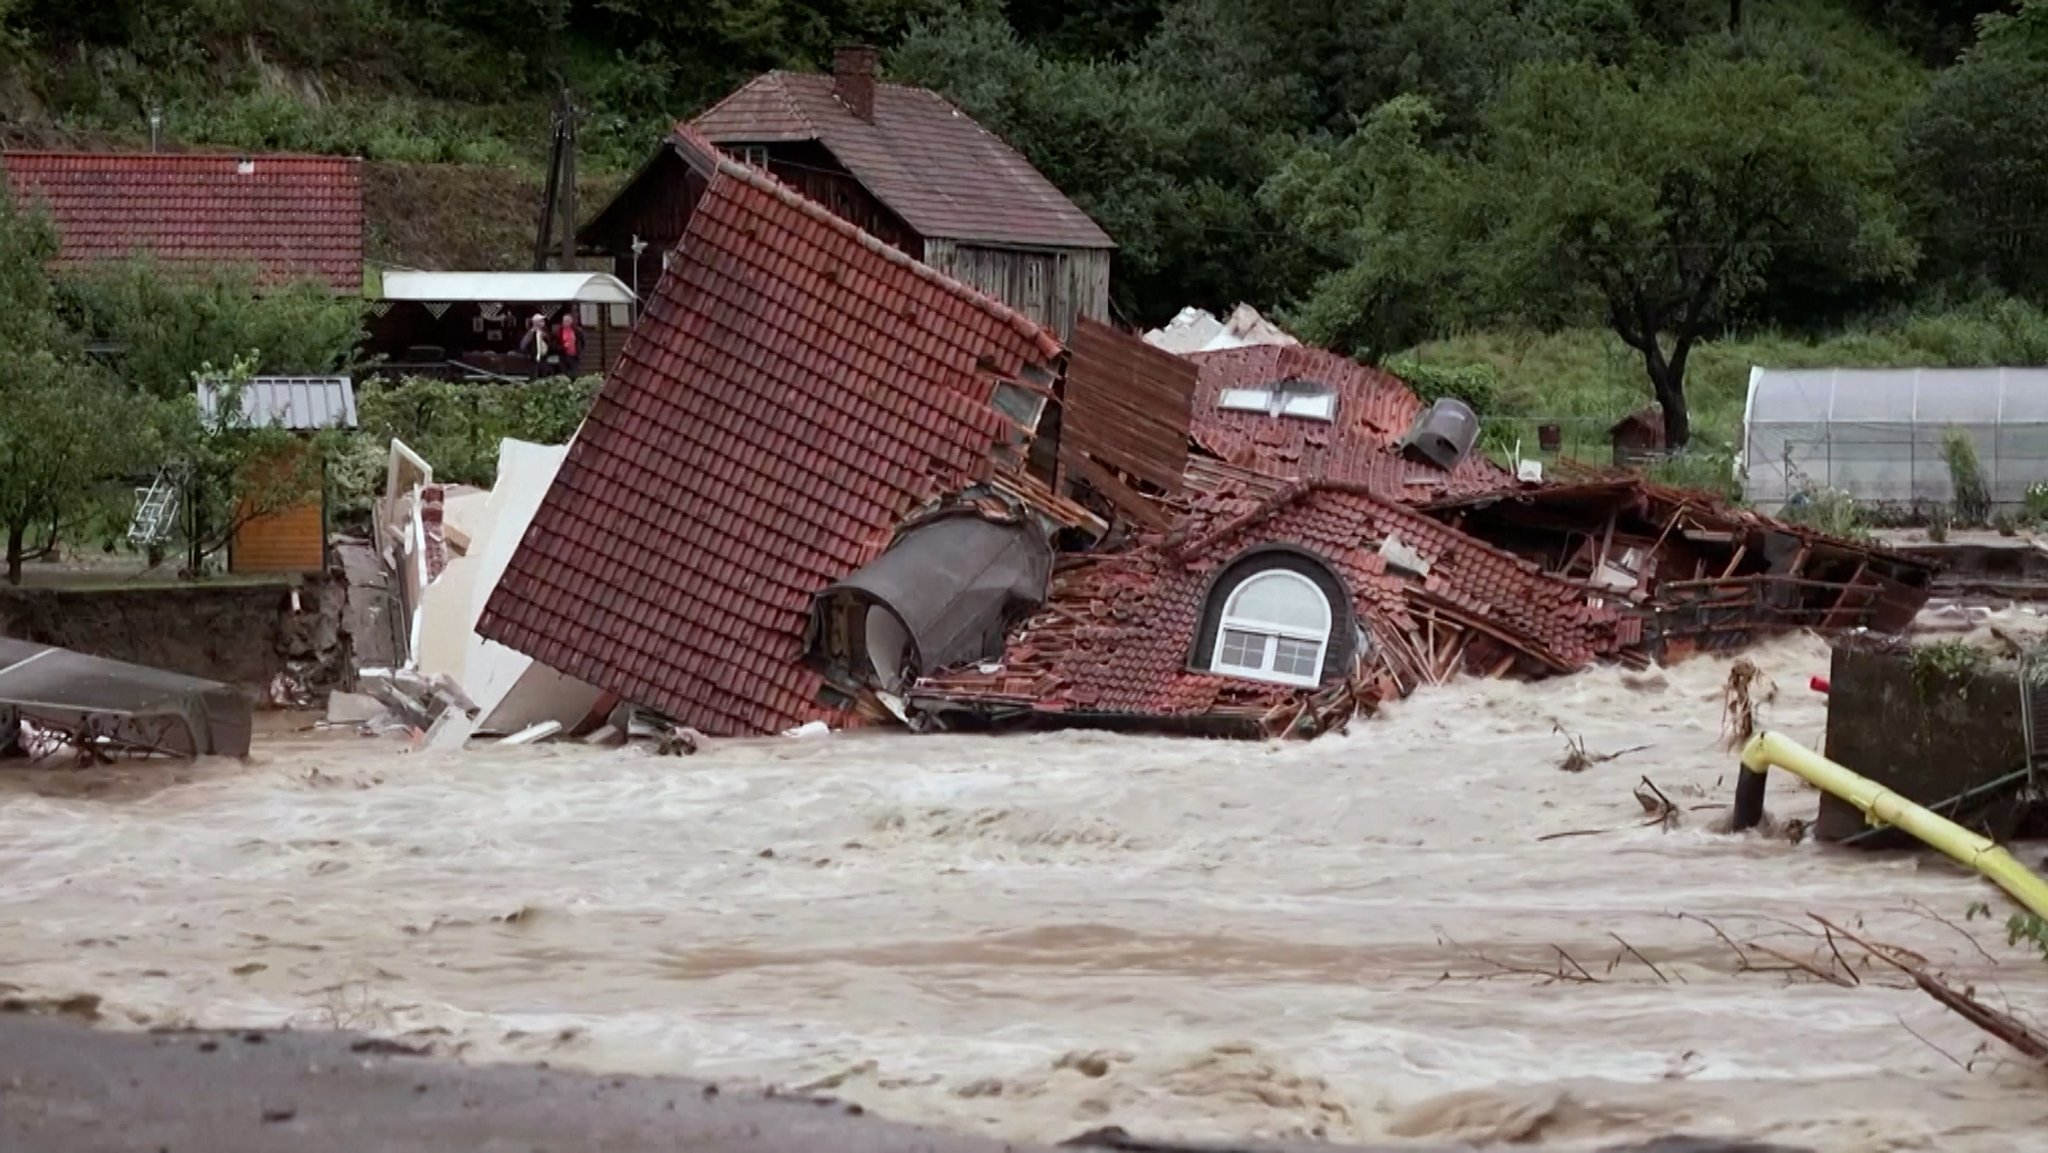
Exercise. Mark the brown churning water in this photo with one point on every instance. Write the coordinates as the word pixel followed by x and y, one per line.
pixel 1036 935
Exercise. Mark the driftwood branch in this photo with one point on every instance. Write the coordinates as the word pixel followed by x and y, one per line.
pixel 2002 1025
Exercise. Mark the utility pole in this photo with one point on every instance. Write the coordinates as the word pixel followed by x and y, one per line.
pixel 558 200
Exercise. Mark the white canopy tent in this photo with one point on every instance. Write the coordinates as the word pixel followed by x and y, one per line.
pixel 1876 434
pixel 507 287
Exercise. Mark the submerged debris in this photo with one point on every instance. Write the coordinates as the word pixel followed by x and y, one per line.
pixel 1578 760
pixel 1747 687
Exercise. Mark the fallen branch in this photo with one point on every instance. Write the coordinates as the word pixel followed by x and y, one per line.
pixel 1568 967
pixel 1645 960
pixel 2001 1025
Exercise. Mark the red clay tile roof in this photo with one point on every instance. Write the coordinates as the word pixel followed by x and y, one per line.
pixel 1374 411
pixel 946 176
pixel 1117 634
pixel 292 217
pixel 794 388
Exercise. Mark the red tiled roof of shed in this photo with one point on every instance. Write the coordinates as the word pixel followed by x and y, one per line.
pixel 1374 411
pixel 291 217
pixel 794 388
pixel 944 174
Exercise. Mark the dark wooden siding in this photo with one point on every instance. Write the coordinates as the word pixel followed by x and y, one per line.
pixel 1051 286
pixel 810 168
pixel 655 207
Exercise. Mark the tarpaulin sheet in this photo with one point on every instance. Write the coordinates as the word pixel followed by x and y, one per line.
pixel 132 705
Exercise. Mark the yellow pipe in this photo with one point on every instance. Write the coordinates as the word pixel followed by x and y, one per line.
pixel 1881 806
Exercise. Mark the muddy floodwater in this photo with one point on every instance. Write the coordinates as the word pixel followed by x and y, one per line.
pixel 1031 936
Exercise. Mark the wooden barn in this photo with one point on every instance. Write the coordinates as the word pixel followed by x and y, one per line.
pixel 904 165
pixel 292 539
pixel 459 324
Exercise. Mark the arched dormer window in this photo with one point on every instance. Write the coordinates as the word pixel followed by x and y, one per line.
pixel 1274 626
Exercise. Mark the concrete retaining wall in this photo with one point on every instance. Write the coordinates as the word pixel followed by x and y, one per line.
pixel 1922 733
pixel 242 633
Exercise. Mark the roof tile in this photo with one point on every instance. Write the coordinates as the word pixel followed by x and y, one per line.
pixel 944 174
pixel 765 447
pixel 1118 632
pixel 1375 410
pixel 292 217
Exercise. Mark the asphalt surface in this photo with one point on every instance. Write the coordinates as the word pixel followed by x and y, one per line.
pixel 67 1087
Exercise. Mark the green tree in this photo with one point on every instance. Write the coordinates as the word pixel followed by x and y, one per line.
pixel 1380 207
pixel 235 469
pixel 161 326
pixel 64 426
pixel 1664 200
pixel 1979 160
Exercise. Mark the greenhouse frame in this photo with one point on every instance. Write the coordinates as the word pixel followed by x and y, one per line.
pixel 1876 434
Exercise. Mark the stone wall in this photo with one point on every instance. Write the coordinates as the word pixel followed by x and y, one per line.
pixel 242 633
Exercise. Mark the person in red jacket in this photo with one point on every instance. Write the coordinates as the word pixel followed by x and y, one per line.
pixel 569 339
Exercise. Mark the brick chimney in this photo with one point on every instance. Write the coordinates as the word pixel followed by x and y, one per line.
pixel 853 79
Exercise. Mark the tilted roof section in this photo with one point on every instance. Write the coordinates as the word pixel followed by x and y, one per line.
pixel 794 389
pixel 291 217
pixel 945 175
pixel 1375 410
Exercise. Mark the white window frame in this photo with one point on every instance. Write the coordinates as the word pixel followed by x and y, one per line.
pixel 1228 621
pixel 1246 400
pixel 1301 399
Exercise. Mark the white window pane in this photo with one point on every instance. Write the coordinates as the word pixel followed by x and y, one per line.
pixel 622 316
pixel 1315 407
pixel 1246 399
pixel 1296 658
pixel 1243 650
pixel 586 314
pixel 1282 599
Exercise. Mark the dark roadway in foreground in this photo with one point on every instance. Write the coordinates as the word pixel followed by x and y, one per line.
pixel 68 1088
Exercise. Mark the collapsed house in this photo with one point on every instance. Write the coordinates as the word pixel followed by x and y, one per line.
pixel 795 391
pixel 825 477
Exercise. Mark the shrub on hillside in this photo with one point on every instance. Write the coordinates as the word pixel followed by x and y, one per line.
pixel 1477 384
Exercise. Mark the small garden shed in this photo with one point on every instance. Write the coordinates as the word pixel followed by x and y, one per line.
pixel 292 539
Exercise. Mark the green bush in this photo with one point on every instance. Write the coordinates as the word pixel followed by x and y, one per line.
pixel 2037 502
pixel 1477 383
pixel 1972 494
pixel 1700 469
pixel 1827 510
pixel 456 426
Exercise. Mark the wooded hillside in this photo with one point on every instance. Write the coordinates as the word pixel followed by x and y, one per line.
pixel 1385 174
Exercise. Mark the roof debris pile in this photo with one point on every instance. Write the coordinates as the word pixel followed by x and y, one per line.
pixel 1299 412
pixel 1198 330
pixel 1114 641
pixel 825 477
pixel 1700 573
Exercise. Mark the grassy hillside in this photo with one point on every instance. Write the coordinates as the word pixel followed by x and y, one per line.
pixel 1586 379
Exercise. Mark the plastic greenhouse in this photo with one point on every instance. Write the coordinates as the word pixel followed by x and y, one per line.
pixel 1876 434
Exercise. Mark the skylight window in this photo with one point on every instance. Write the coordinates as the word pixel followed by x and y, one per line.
pixel 1305 399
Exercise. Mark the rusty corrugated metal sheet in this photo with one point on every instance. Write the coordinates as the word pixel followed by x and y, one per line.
pixel 1128 404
